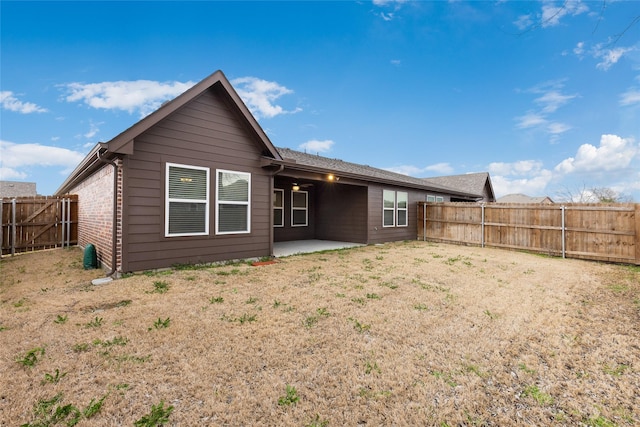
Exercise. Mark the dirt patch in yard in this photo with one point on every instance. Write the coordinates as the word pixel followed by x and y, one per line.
pixel 406 333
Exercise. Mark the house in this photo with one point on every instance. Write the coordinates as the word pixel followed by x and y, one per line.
pixel 199 181
pixel 475 183
pixel 523 198
pixel 11 189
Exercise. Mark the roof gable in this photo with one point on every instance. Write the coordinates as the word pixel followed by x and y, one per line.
pixel 124 142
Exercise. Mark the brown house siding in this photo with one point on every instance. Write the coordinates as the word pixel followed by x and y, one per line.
pixel 380 234
pixel 207 133
pixel 288 232
pixel 342 213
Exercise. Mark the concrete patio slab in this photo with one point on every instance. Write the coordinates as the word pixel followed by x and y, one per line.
pixel 293 247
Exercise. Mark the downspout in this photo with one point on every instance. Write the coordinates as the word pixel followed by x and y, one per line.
pixel 114 233
pixel 272 232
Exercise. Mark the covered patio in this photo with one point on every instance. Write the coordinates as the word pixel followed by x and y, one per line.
pixel 293 247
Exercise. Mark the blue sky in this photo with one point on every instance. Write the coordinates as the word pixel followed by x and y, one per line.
pixel 544 95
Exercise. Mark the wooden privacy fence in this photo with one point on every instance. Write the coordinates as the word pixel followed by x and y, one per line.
pixel 33 223
pixel 603 232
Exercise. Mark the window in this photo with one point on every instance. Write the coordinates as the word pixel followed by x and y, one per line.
pixel 278 208
pixel 299 208
pixel 233 201
pixel 439 199
pixel 431 198
pixel 388 208
pixel 402 201
pixel 187 200
pixel 394 208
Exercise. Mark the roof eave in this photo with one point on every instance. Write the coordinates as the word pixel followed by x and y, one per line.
pixel 293 165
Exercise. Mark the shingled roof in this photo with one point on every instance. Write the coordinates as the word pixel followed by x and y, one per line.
pixel 469 182
pixel 313 162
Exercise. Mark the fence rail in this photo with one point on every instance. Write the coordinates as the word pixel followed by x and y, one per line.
pixel 34 223
pixel 603 232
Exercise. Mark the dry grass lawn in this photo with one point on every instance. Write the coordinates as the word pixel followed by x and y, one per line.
pixel 407 333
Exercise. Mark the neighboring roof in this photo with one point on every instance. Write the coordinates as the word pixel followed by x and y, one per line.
pixel 123 143
pixel 17 189
pixel 523 198
pixel 316 163
pixel 470 182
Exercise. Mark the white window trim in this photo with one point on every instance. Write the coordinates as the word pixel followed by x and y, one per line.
pixel 399 209
pixel 168 200
pixel 305 209
pixel 280 208
pixel 439 199
pixel 247 203
pixel 389 209
pixel 431 198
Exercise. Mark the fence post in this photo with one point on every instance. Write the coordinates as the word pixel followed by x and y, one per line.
pixel 637 238
pixel 563 232
pixel 13 227
pixel 482 228
pixel 1 226
pixel 424 222
pixel 68 222
pixel 62 221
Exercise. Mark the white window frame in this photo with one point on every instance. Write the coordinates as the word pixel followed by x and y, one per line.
pixel 384 209
pixel 431 198
pixel 246 203
pixel 280 208
pixel 405 209
pixel 305 209
pixel 439 199
pixel 169 200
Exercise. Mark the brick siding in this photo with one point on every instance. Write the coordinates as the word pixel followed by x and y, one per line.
pixel 95 213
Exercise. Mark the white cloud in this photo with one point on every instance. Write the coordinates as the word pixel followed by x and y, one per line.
pixel 523 22
pixel 609 57
pixel 441 168
pixel 552 13
pixel 632 96
pixel 529 120
pixel 579 49
pixel 93 130
pixel 552 100
pixel 260 95
pixel 520 167
pixel 316 146
pixel 11 103
pixel 613 154
pixel 557 128
pixel 16 156
pixel 143 96
pixel 438 168
pixel 396 62
pixel 523 176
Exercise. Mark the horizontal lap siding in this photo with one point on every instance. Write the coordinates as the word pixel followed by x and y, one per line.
pixel 380 234
pixel 208 133
pixel 342 213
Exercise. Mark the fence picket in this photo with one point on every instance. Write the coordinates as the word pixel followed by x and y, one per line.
pixel 604 232
pixel 33 223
